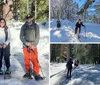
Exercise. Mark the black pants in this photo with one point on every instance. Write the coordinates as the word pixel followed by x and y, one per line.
pixel 76 30
pixel 69 72
pixel 6 54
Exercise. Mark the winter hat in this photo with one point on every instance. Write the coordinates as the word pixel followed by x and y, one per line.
pixel 29 16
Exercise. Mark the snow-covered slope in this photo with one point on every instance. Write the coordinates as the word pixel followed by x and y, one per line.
pixel 66 32
pixel 17 59
pixel 83 75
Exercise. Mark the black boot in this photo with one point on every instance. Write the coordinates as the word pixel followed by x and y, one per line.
pixel 8 71
pixel 27 75
pixel 38 77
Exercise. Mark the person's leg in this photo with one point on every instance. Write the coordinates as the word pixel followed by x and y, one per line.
pixel 79 30
pixel 26 59
pixel 76 30
pixel 70 72
pixel 34 58
pixel 36 67
pixel 1 56
pixel 6 53
pixel 67 72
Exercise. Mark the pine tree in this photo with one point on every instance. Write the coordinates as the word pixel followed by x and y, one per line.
pixel 20 8
pixel 63 9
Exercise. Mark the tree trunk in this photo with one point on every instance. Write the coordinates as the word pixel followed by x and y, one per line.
pixel 35 10
pixel 69 51
pixel 7 12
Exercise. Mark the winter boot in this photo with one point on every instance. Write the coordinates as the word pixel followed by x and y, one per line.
pixel 38 77
pixel 1 72
pixel 8 71
pixel 27 75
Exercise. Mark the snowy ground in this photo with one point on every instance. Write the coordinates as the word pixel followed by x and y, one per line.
pixel 17 60
pixel 66 32
pixel 83 75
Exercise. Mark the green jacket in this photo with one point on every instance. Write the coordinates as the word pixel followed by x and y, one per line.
pixel 30 33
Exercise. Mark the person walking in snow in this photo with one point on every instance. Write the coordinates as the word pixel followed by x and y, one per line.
pixel 4 46
pixel 69 67
pixel 78 27
pixel 29 35
pixel 58 24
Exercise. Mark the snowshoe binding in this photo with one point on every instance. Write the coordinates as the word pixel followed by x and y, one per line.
pixel 7 74
pixel 1 72
pixel 27 75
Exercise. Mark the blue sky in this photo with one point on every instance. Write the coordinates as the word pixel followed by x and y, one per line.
pixel 81 2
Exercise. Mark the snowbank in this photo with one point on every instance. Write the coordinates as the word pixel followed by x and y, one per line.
pixel 86 74
pixel 67 32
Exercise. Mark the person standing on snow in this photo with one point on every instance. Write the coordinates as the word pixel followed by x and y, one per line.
pixel 29 35
pixel 78 27
pixel 4 46
pixel 69 67
pixel 58 24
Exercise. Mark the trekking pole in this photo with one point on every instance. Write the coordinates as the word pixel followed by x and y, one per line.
pixel 39 64
pixel 41 70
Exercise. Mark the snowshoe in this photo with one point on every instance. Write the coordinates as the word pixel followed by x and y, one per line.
pixel 7 76
pixel 37 78
pixel 1 72
pixel 28 76
pixel 34 75
pixel 68 77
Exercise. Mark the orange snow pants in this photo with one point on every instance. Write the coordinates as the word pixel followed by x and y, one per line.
pixel 31 56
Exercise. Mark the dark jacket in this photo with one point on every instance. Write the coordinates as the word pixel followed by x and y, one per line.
pixel 58 24
pixel 78 25
pixel 30 33
pixel 69 64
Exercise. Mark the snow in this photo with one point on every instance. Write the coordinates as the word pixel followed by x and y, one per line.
pixel 84 74
pixel 56 68
pixel 66 32
pixel 17 59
